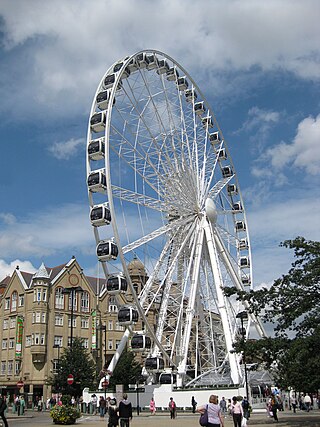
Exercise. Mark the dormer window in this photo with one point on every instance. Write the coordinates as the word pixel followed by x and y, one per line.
pixel 14 299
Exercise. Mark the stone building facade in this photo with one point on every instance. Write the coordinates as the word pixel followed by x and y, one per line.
pixel 36 312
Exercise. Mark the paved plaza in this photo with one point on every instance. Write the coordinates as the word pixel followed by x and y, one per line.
pixel 286 419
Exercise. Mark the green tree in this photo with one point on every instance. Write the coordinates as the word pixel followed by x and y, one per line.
pixel 78 362
pixel 292 304
pixel 127 370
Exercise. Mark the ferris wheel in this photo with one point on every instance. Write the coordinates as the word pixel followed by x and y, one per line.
pixel 163 190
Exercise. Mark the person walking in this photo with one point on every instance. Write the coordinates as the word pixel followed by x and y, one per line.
pixel 223 406
pixel 214 412
pixel 172 408
pixel 246 408
pixel 193 404
pixel 102 407
pixel 237 412
pixel 274 408
pixel 294 404
pixel 3 407
pixel 22 405
pixel 113 413
pixel 94 402
pixel 125 411
pixel 307 402
pixel 152 406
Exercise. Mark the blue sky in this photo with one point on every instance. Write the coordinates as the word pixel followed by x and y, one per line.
pixel 258 64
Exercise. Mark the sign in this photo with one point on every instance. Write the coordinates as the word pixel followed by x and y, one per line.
pixel 19 333
pixel 105 383
pixel 70 379
pixel 20 384
pixel 94 330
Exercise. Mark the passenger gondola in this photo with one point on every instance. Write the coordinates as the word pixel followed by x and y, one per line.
pixel 172 74
pixel 140 343
pixel 163 66
pixel 103 98
pixel 167 378
pixel 107 250
pixel 96 149
pixel 227 171
pixel 191 95
pixel 97 182
pixel 127 315
pixel 182 83
pixel 117 284
pixel 152 62
pixel 154 364
pixel 244 262
pixel 98 122
pixel 240 226
pixel 207 122
pixel 215 138
pixel 199 108
pixel 100 215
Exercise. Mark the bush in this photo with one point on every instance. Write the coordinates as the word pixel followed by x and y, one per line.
pixel 64 414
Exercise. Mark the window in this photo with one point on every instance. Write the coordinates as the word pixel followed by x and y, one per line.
pixel 4 344
pixel 55 365
pixel 5 323
pixel 74 322
pixel 110 325
pixel 75 301
pixel 117 343
pixel 119 327
pixel 38 315
pixel 58 319
pixel 43 318
pixel 21 300
pixel 28 340
pixel 39 293
pixel 85 343
pixel 11 342
pixel 42 339
pixel 17 367
pixel 113 308
pixel 14 299
pixel 12 322
pixel 36 339
pixel 3 367
pixel 59 298
pixel 85 302
pixel 84 322
pixel 44 295
pixel 7 304
pixel 10 367
pixel 58 340
pixel 110 344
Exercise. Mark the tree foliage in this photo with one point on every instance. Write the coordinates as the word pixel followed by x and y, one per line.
pixel 78 362
pixel 127 370
pixel 292 304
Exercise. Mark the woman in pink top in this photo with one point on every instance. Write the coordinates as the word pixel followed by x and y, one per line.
pixel 237 412
pixel 214 413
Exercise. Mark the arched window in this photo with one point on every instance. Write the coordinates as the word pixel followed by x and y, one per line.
pixel 14 299
pixel 85 301
pixel 59 299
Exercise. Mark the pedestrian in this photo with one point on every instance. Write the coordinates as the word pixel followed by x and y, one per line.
pixel 274 408
pixel 193 404
pixel 102 406
pixel 22 405
pixel 172 408
pixel 17 404
pixel 229 407
pixel 94 402
pixel 307 402
pixel 152 406
pixel 214 412
pixel 294 404
pixel 113 413
pixel 3 407
pixel 223 406
pixel 125 411
pixel 237 412
pixel 246 408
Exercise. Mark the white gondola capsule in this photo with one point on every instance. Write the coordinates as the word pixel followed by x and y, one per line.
pixel 246 281
pixel 125 70
pixel 199 108
pixel 227 171
pixel 207 122
pixel 215 138
pixel 96 149
pixel 167 378
pixel 155 364
pixel 232 189
pixel 140 342
pixel 97 181
pixel 109 81
pixel 182 83
pixel 172 74
pixel 240 226
pixel 117 285
pixel 142 60
pixel 100 215
pixel 133 65
pixel 107 250
pixel 98 122
pixel 163 66
pixel 153 62
pixel 103 98
pixel 222 154
pixel 244 262
pixel 237 207
pixel 191 95
pixel 127 315
pixel 243 244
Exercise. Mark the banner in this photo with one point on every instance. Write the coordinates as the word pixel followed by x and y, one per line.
pixel 19 334
pixel 94 330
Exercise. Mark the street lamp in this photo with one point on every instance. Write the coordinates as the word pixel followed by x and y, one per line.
pixel 72 291
pixel 243 315
pixel 104 328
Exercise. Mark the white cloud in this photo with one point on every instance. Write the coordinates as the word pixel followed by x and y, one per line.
pixel 66 150
pixel 68 46
pixel 303 152
pixel 6 269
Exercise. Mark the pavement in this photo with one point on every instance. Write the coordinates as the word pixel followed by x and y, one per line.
pixel 286 419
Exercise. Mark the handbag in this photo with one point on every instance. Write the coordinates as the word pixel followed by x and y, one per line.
pixel 244 422
pixel 203 420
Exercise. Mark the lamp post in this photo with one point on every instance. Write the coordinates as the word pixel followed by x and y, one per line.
pixel 104 328
pixel 243 315
pixel 72 291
